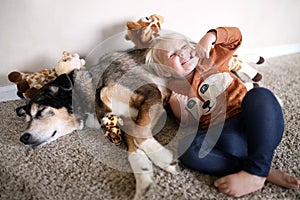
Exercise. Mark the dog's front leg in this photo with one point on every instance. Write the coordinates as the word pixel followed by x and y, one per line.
pixel 148 116
pixel 141 167
pixel 143 172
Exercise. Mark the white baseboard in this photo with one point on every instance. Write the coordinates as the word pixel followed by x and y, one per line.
pixel 9 92
pixel 273 51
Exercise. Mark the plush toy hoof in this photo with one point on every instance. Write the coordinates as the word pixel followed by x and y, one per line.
pixel 257 77
pixel 261 60
pixel 255 85
pixel 20 94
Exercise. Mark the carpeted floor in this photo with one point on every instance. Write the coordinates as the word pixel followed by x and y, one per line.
pixel 77 165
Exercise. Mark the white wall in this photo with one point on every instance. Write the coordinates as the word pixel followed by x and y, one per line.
pixel 34 33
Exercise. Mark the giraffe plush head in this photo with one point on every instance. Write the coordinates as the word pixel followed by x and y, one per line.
pixel 28 83
pixel 144 30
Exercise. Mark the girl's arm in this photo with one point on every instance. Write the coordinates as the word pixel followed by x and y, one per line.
pixel 205 44
pixel 217 46
pixel 225 40
pixel 178 101
pixel 228 40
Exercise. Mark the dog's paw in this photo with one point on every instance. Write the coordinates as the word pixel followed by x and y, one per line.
pixel 80 124
pixel 144 183
pixel 159 155
pixel 143 172
pixel 173 168
pixel 91 121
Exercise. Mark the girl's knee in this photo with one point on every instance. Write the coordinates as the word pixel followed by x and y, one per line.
pixel 261 109
pixel 260 93
pixel 261 98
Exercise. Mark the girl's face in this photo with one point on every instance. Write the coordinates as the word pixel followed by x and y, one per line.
pixel 178 55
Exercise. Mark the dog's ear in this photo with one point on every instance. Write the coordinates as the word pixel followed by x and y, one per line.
pixel 21 111
pixel 63 82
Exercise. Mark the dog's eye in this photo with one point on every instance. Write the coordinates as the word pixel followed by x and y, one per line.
pixel 48 113
pixel 38 115
pixel 44 112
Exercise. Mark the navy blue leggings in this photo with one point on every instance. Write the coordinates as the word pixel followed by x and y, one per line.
pixel 247 141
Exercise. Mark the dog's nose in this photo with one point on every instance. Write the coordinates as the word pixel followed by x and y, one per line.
pixel 25 138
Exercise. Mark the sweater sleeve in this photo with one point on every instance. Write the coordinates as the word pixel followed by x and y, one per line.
pixel 227 42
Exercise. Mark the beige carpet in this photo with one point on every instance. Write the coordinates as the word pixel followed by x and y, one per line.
pixel 73 167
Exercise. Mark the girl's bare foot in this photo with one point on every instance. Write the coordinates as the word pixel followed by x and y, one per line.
pixel 283 179
pixel 239 184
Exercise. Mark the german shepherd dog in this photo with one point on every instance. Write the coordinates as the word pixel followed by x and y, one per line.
pixel 118 85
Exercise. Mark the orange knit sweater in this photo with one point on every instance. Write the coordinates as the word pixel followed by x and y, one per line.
pixel 225 95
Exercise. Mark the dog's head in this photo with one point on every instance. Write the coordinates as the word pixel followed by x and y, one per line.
pixel 49 113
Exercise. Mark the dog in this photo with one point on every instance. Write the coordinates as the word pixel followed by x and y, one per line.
pixel 117 85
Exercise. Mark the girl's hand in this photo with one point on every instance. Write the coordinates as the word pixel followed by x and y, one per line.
pixel 205 44
pixel 182 99
pixel 178 103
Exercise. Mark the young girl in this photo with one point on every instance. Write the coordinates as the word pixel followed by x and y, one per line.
pixel 244 127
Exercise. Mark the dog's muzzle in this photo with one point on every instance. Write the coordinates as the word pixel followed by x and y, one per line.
pixel 29 140
pixel 25 138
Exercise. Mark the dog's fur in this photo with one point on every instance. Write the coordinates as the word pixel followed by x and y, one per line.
pixel 119 85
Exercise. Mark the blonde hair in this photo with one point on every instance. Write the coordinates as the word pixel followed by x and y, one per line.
pixel 152 59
